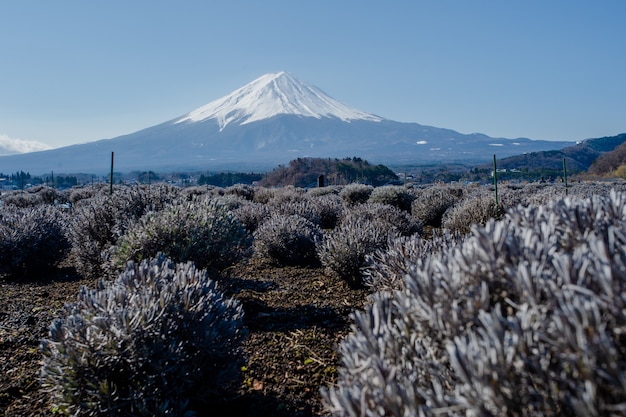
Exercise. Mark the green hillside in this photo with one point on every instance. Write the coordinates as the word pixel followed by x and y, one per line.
pixel 579 158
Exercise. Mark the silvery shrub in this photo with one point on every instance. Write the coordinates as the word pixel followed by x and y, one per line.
pixel 329 209
pixel 21 199
pixel 98 222
pixel 263 194
pixel 34 196
pixel 33 240
pixel 476 209
pixel 287 240
pixel 342 250
pixel 49 195
pixel 385 268
pixel 203 231
pixel 394 195
pixel 431 204
pixel 252 214
pixel 200 191
pixel 244 191
pixel 155 197
pixel 160 340
pixel 355 193
pixel 320 191
pixel 230 201
pixel 324 211
pixel 525 317
pixel 77 194
pixel 301 206
pixel 284 195
pixel 395 221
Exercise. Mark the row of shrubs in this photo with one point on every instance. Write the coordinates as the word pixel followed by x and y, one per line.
pixel 213 227
pixel 522 317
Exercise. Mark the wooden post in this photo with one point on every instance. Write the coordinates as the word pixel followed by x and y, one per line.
pixel 495 179
pixel 565 175
pixel 111 177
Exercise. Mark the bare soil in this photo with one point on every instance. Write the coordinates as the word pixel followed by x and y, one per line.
pixel 295 317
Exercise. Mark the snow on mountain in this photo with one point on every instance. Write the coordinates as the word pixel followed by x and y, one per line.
pixel 12 146
pixel 271 95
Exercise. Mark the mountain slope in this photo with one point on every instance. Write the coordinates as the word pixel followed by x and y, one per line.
pixel 271 121
pixel 608 162
pixel 579 157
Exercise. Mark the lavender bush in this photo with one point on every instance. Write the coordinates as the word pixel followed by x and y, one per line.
pixel 158 341
pixel 287 240
pixel 33 240
pixel 394 195
pixel 393 220
pixel 431 205
pixel 203 231
pixel 342 250
pixel 353 194
pixel 252 214
pixel 524 318
pixel 98 222
pixel 475 209
pixel 385 268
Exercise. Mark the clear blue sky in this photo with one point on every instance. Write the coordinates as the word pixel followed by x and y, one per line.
pixel 73 71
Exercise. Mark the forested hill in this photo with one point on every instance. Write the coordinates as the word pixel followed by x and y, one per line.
pixel 303 172
pixel 578 157
pixel 611 163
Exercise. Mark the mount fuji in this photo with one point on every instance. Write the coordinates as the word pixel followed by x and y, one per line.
pixel 271 121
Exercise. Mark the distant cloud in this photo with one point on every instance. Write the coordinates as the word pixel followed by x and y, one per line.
pixel 496 144
pixel 12 146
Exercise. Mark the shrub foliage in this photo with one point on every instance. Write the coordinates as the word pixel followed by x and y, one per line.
pixel 356 193
pixel 202 231
pixel 99 221
pixel 431 205
pixel 525 317
pixel 32 240
pixel 157 341
pixel 394 195
pixel 343 250
pixel 287 240
pixel 520 316
pixel 386 268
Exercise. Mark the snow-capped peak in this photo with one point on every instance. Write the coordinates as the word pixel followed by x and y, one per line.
pixel 271 95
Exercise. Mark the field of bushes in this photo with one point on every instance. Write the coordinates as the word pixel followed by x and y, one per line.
pixel 343 300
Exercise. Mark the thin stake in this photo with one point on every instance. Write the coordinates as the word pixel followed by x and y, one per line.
pixel 495 179
pixel 111 177
pixel 565 175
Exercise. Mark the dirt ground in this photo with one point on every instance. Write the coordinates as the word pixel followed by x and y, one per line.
pixel 295 316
